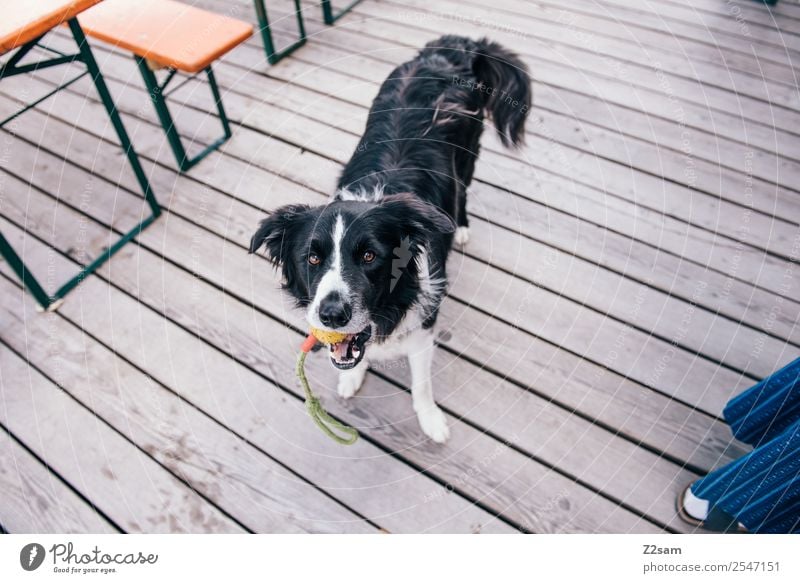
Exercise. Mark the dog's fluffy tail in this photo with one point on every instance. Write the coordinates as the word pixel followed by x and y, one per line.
pixel 506 83
pixel 510 100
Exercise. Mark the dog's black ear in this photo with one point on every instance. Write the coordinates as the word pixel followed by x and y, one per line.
pixel 416 215
pixel 273 230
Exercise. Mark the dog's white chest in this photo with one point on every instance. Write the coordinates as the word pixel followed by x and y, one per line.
pixel 406 339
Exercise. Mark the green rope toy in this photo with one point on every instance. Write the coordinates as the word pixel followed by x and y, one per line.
pixel 318 413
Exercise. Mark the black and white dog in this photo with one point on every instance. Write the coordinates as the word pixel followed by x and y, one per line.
pixel 371 262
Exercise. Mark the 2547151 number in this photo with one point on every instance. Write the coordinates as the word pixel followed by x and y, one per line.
pixel 756 566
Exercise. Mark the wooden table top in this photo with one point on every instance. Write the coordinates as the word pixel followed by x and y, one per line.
pixel 23 21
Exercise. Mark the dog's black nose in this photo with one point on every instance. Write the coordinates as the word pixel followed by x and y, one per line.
pixel 334 312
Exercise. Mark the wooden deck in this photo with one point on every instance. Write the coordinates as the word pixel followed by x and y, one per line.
pixel 630 269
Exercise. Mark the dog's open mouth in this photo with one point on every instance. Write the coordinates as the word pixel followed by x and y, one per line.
pixel 349 352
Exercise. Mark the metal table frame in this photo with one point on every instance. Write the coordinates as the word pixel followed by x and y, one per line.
pixel 327 11
pixel 158 95
pixel 85 56
pixel 266 33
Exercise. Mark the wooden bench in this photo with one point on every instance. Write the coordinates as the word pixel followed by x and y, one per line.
pixel 163 34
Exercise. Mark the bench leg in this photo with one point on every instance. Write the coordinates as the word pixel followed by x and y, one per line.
pixel 266 32
pixel 327 11
pixel 51 302
pixel 87 57
pixel 28 280
pixel 159 99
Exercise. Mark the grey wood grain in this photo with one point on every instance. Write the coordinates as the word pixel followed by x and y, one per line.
pixel 716 18
pixel 34 500
pixel 599 54
pixel 130 488
pixel 715 47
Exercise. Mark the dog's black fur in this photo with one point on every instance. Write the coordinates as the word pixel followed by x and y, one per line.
pixel 424 128
pixel 404 185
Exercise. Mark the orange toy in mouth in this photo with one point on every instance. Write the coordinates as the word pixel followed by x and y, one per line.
pixel 346 350
pixel 328 337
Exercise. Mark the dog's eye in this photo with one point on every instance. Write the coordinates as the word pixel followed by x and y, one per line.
pixel 314 259
pixel 368 256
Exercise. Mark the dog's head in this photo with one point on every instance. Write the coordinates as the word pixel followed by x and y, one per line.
pixel 356 267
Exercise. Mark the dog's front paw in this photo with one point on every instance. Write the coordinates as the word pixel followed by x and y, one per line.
pixel 350 381
pixel 434 424
pixel 461 236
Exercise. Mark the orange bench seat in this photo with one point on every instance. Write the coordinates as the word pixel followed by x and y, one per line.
pixel 165 32
pixel 22 22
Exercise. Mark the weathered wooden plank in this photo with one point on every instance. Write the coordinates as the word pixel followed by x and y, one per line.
pixel 648 29
pixel 691 32
pixel 716 17
pixel 516 475
pixel 763 231
pixel 628 59
pixel 129 487
pixel 693 144
pixel 34 499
